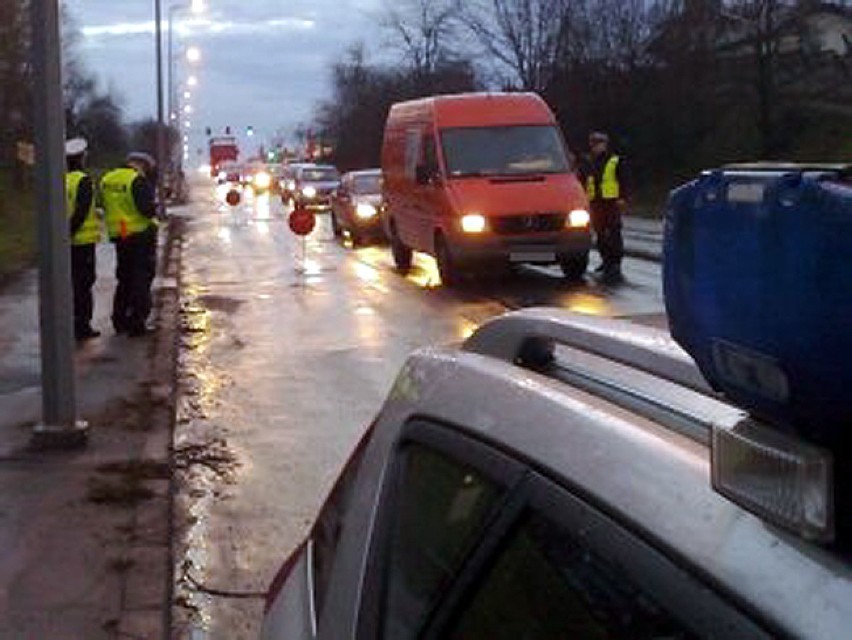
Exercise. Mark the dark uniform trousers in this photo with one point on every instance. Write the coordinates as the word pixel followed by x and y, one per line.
pixel 82 280
pixel 606 221
pixel 136 266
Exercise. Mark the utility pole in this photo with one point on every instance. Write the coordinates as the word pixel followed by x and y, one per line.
pixel 161 124
pixel 59 428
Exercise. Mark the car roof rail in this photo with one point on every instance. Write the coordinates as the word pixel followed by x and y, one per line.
pixel 528 337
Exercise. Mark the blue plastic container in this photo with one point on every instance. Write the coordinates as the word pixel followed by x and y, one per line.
pixel 758 289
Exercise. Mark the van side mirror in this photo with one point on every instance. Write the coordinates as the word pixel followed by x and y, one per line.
pixel 422 174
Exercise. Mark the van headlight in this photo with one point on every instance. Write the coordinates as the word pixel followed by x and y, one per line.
pixel 365 211
pixel 473 223
pixel 291 185
pixel 578 218
pixel 309 192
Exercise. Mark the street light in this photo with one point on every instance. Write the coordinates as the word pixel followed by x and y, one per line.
pixel 193 54
pixel 196 6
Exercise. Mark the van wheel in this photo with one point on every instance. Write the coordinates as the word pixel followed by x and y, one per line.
pixel 574 266
pixel 446 267
pixel 401 253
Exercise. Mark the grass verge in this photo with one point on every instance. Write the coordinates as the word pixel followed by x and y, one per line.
pixel 17 242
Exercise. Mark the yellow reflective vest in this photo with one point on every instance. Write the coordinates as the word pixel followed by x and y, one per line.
pixel 123 217
pixel 90 231
pixel 610 189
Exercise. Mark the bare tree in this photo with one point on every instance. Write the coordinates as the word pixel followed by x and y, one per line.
pixel 760 21
pixel 529 37
pixel 422 29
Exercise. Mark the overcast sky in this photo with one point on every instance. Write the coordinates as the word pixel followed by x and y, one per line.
pixel 265 62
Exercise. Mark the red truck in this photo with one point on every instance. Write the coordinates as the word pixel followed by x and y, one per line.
pixel 222 149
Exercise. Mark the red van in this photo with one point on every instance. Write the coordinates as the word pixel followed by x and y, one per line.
pixel 479 178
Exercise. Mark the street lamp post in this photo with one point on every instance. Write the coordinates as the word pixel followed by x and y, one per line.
pixel 59 428
pixel 161 125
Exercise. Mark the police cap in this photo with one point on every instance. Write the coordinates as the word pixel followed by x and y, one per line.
pixel 76 147
pixel 141 160
pixel 598 136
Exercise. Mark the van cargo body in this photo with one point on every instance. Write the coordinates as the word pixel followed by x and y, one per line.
pixel 477 179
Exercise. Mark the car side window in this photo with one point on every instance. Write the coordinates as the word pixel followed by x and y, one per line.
pixel 546 584
pixel 441 508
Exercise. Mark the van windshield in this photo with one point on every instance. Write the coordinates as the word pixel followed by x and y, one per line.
pixel 514 150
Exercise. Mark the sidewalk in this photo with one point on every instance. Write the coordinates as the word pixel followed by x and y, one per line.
pixel 643 238
pixel 85 534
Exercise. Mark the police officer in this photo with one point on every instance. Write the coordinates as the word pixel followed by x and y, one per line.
pixel 607 187
pixel 129 199
pixel 85 233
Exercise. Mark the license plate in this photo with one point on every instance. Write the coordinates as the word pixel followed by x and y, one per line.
pixel 532 256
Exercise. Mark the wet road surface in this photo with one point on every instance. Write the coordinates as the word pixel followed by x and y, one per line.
pixel 287 351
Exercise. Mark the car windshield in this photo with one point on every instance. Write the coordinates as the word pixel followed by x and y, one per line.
pixel 320 175
pixel 367 184
pixel 515 150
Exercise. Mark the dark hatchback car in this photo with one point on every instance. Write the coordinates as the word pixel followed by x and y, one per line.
pixel 357 206
pixel 560 476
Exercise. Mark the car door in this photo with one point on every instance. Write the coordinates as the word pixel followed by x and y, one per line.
pixel 440 495
pixel 473 545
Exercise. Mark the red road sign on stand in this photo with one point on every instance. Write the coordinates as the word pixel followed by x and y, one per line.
pixel 233 197
pixel 302 222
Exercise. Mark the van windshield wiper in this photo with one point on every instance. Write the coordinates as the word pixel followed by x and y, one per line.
pixel 532 175
pixel 473 174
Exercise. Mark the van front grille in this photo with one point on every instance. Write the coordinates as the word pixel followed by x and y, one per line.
pixel 530 223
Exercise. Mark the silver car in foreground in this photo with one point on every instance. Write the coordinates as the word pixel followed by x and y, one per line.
pixel 554 478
